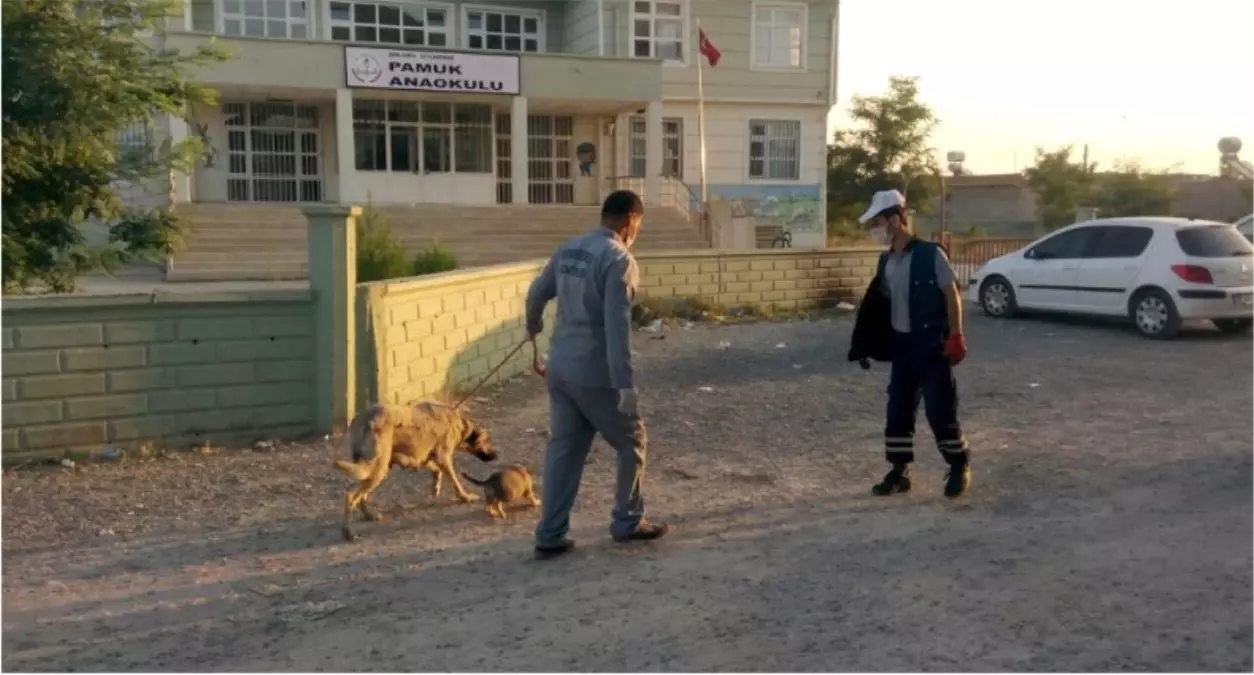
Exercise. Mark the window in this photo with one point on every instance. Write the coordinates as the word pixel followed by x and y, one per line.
pixel 672 147
pixel 134 141
pixel 1069 244
pixel 414 137
pixel 779 35
pixel 657 29
pixel 774 149
pixel 504 31
pixel 266 18
pixel 1121 241
pixel 387 23
pixel 273 152
pixel 1215 241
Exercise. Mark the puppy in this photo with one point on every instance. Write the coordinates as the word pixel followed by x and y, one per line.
pixel 422 436
pixel 505 486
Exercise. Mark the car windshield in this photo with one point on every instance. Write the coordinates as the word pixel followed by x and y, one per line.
pixel 1218 241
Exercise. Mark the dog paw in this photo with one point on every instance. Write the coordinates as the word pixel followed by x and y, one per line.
pixel 468 498
pixel 374 516
pixel 349 535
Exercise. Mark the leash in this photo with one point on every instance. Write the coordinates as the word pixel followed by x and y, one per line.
pixel 536 368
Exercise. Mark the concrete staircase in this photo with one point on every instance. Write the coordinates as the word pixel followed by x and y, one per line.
pixel 261 242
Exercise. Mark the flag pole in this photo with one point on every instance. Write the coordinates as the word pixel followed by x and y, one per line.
pixel 705 195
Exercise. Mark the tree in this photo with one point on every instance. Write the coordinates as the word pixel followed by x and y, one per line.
pixel 76 73
pixel 1131 191
pixel 1060 185
pixel 886 148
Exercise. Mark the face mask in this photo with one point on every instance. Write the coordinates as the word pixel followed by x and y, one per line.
pixel 879 235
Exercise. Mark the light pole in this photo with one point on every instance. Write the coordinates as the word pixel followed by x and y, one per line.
pixel 955 158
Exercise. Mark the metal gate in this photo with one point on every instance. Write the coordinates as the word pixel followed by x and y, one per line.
pixel 273 152
pixel 550 159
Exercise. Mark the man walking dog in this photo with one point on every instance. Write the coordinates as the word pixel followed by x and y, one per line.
pixel 912 316
pixel 591 390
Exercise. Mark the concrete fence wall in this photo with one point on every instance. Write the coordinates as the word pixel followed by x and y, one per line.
pixel 82 374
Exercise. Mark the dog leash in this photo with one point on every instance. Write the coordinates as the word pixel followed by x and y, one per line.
pixel 536 368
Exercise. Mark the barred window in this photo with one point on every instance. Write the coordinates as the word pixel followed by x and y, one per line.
pixel 774 149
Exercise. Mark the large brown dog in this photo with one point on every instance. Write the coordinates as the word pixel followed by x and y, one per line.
pixel 422 436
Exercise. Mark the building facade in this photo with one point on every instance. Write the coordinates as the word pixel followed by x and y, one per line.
pixel 412 102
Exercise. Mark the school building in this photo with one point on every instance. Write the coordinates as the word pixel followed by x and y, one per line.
pixel 449 116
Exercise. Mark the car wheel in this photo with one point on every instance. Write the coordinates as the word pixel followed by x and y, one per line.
pixel 1233 326
pixel 1154 314
pixel 997 298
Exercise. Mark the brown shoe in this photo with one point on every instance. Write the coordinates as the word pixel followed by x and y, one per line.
pixel 645 531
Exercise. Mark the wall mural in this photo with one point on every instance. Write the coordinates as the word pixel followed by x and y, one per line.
pixel 795 208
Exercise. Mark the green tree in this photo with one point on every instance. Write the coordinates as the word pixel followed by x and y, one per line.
pixel 1130 190
pixel 76 73
pixel 1060 184
pixel 380 255
pixel 886 147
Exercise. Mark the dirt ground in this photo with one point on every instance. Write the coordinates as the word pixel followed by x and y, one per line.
pixel 1109 528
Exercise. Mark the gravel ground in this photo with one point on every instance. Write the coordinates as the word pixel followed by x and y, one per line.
pixel 1109 528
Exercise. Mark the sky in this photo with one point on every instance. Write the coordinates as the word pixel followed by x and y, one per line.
pixel 1160 83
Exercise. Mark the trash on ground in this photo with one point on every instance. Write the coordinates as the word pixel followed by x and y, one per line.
pixel 654 327
pixel 1034 385
pixel 781 345
pixel 705 389
pixel 67 463
pixel 845 306
pixel 724 344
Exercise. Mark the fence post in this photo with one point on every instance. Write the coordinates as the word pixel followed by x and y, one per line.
pixel 333 280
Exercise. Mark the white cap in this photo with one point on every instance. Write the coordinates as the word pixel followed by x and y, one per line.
pixel 881 201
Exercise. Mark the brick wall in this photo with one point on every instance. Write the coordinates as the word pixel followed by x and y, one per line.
pixel 431 336
pixel 425 337
pixel 780 278
pixel 82 374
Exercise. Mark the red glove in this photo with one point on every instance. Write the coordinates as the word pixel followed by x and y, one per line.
pixel 956 348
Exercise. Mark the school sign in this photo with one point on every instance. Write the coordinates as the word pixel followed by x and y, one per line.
pixel 409 70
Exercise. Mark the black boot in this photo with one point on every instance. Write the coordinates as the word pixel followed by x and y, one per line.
pixel 895 481
pixel 958 480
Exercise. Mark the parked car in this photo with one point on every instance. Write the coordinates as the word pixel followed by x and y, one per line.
pixel 1157 272
pixel 1246 227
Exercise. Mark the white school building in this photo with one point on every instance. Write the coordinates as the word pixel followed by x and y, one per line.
pixel 459 104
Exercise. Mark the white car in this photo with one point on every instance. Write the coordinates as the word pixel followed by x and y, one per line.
pixel 1246 227
pixel 1155 271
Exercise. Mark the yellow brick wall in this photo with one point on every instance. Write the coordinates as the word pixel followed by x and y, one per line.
pixel 432 337
pixel 429 336
pixel 83 374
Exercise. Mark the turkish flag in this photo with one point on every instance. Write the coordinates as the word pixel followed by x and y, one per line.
pixel 707 48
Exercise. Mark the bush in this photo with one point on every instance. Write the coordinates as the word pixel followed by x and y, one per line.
pixel 434 259
pixel 379 254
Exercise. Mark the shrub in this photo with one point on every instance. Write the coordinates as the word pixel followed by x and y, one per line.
pixel 380 255
pixel 434 259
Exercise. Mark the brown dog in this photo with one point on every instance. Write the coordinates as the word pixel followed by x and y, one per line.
pixel 505 486
pixel 422 436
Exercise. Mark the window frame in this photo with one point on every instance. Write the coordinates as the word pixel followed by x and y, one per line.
pixel 686 36
pixel 1097 240
pixel 419 127
pixel 766 157
pixel 307 22
pixel 1086 232
pixel 542 27
pixel 677 160
pixel 449 30
pixel 802 61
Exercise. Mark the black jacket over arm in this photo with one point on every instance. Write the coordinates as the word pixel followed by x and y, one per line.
pixel 873 328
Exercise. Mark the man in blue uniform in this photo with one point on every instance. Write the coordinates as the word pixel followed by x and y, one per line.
pixel 591 388
pixel 912 316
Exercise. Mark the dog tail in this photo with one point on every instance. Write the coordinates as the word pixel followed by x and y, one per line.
pixel 474 480
pixel 352 469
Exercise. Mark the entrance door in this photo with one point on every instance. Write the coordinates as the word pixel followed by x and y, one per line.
pixel 550 159
pixel 274 152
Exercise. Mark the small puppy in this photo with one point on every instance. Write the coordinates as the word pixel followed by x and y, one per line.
pixel 423 436
pixel 507 485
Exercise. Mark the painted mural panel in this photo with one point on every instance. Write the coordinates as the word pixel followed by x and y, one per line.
pixel 795 208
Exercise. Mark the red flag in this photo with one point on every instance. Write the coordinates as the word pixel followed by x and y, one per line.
pixel 707 48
